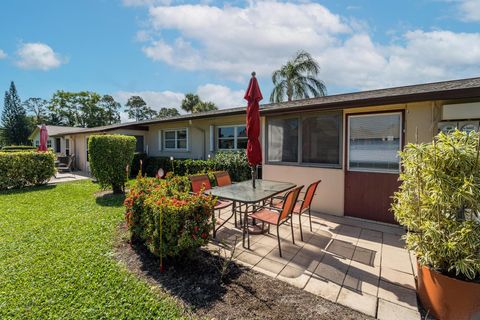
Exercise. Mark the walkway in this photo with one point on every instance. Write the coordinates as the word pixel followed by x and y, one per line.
pixel 69 176
pixel 359 264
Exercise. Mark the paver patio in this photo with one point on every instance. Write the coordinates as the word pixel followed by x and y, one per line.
pixel 356 263
pixel 68 177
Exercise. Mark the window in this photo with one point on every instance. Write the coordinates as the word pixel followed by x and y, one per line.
pixel 58 148
pixel 37 143
pixel 49 143
pixel 67 147
pixel 232 137
pixel 310 139
pixel 139 144
pixel 283 140
pixel 176 139
pixel 320 139
pixel 374 142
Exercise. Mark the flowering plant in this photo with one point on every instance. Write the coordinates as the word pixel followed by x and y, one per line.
pixel 166 217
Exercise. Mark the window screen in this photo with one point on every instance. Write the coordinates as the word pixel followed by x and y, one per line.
pixel 283 140
pixel 321 138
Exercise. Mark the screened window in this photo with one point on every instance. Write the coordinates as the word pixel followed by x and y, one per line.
pixel 139 147
pixel 310 139
pixel 175 139
pixel 67 147
pixel 232 137
pixel 283 140
pixel 321 139
pixel 37 143
pixel 49 143
pixel 374 142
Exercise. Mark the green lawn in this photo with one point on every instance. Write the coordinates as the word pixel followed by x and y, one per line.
pixel 56 261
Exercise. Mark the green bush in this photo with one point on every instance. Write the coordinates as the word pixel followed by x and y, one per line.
pixel 20 169
pixel 163 215
pixel 235 163
pixel 439 203
pixel 109 157
pixel 18 148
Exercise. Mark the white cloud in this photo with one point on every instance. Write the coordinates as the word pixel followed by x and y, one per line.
pixel 154 99
pixel 3 55
pixel 233 41
pixel 222 96
pixel 470 10
pixel 38 56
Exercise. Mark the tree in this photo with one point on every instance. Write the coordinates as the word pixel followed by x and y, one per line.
pixel 137 109
pixel 192 103
pixel 38 107
pixel 189 102
pixel 297 79
pixel 14 118
pixel 110 109
pixel 204 106
pixel 167 113
pixel 83 109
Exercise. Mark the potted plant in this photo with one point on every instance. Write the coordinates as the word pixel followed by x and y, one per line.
pixel 439 204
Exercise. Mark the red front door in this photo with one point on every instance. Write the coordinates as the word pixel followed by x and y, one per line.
pixel 372 164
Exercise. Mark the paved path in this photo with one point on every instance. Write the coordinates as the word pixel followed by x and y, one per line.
pixel 356 263
pixel 68 176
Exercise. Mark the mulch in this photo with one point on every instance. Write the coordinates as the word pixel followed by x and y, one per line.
pixel 199 285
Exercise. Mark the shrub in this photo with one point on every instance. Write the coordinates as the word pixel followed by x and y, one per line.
pixel 18 148
pixel 20 169
pixel 235 163
pixel 439 202
pixel 109 157
pixel 164 216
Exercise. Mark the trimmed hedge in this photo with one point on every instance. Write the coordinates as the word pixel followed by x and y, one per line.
pixel 235 163
pixel 163 215
pixel 18 148
pixel 109 157
pixel 20 169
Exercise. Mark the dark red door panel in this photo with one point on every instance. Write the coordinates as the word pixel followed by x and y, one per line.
pixel 368 195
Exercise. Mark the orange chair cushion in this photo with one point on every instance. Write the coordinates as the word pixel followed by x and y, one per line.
pixel 266 215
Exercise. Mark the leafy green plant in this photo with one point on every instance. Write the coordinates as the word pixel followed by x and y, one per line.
pixel 20 169
pixel 139 157
pixel 166 217
pixel 18 148
pixel 234 162
pixel 439 203
pixel 109 157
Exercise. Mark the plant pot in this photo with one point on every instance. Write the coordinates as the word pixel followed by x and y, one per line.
pixel 448 298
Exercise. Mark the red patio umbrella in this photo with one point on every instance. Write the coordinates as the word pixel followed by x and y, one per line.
pixel 254 150
pixel 43 138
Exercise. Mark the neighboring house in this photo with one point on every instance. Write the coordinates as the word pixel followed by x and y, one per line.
pixel 59 139
pixel 349 141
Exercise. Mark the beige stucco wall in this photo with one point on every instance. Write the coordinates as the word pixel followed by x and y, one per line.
pixel 198 137
pixel 420 120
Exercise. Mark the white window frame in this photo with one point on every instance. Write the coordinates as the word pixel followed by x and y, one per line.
pixel 375 170
pixel 37 143
pixel 67 146
pixel 235 136
pixel 49 143
pixel 176 130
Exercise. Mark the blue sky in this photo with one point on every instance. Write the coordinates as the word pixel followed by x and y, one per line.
pixel 162 49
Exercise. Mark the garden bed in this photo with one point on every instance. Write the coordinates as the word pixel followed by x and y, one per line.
pixel 243 294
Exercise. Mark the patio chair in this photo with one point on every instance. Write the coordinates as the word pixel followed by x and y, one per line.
pixel 68 167
pixel 223 179
pixel 303 205
pixel 277 216
pixel 201 183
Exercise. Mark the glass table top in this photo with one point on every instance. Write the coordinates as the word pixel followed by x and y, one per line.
pixel 244 191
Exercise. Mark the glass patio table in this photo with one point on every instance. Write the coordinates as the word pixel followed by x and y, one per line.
pixel 243 192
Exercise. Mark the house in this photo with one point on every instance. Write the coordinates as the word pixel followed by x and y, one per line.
pixel 349 141
pixel 59 139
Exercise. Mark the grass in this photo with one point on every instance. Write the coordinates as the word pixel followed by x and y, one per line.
pixel 56 259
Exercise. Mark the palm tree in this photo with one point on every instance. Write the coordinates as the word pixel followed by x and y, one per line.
pixel 297 79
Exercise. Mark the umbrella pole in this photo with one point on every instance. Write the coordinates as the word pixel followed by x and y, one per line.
pixel 253 176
